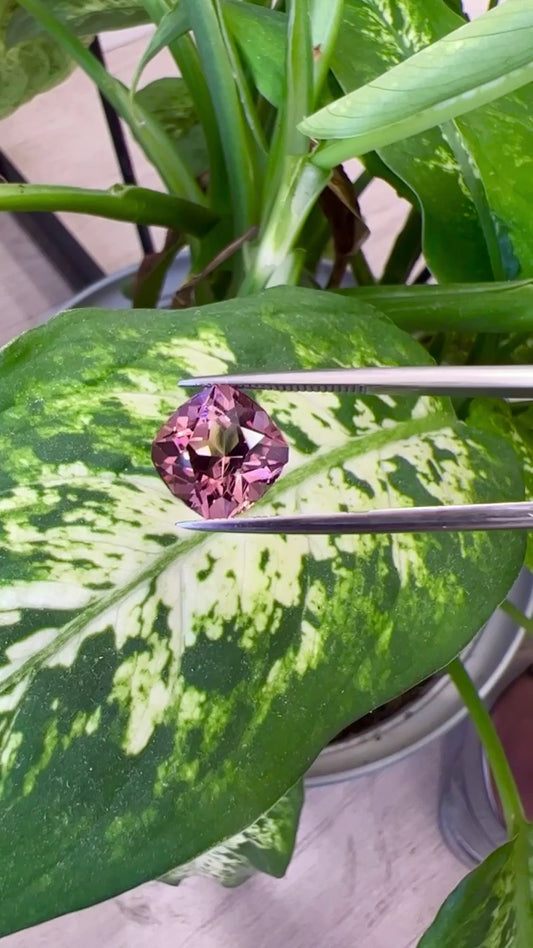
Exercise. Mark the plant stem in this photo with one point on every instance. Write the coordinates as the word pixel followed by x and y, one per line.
pixel 120 203
pixel 154 141
pixel 362 273
pixel 518 616
pixel 508 792
pixel 326 19
pixel 405 251
pixel 300 187
pixel 235 135
pixel 185 55
pixel 469 307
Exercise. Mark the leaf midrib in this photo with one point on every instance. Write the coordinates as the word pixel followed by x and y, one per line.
pixel 353 448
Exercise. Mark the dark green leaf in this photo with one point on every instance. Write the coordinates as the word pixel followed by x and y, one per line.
pixel 499 140
pixel 384 34
pixel 161 691
pixel 170 102
pixel 493 906
pixel 265 846
pixel 262 38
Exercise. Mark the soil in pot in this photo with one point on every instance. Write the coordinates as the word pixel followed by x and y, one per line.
pixel 385 711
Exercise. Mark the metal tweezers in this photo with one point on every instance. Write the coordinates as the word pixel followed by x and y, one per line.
pixel 509 382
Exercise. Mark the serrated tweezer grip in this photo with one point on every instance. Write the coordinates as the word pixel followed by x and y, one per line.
pixel 497 381
pixel 509 516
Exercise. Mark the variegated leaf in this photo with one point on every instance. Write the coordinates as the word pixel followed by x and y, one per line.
pixel 517 427
pixel 84 19
pixel 29 68
pixel 493 906
pixel 159 692
pixel 385 32
pixel 478 63
pixel 265 846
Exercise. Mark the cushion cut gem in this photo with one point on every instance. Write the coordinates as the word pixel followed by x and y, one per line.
pixel 219 452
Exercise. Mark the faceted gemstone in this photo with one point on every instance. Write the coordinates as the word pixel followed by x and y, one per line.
pixel 219 452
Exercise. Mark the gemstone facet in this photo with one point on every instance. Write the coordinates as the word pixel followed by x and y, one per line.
pixel 219 452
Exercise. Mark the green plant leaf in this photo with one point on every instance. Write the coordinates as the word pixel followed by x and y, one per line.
pixel 173 25
pixel 481 61
pixel 86 19
pixel 505 307
pixel 170 102
pixel 30 68
pixel 262 39
pixel 499 142
pixel 237 142
pixel 265 846
pixel 149 678
pixel 493 906
pixel 384 34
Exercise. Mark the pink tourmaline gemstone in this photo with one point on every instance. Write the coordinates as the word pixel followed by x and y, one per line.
pixel 219 452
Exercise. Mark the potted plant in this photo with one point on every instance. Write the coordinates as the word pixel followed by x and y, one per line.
pixel 163 696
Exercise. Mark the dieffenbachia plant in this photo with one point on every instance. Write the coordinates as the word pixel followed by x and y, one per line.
pixel 162 696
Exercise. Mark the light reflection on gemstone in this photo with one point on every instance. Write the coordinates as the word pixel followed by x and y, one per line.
pixel 219 452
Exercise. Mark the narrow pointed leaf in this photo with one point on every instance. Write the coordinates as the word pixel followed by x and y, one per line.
pixel 493 906
pixel 160 692
pixel 265 846
pixel 237 143
pixel 173 25
pixel 477 63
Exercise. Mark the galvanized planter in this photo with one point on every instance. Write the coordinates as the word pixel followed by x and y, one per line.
pixel 426 718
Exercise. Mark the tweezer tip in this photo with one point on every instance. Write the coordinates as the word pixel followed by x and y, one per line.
pixel 202 526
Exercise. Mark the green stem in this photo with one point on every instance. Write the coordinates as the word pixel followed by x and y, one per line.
pixel 301 185
pixel 299 88
pixel 362 273
pixel 476 187
pixel 508 792
pixel 234 133
pixel 287 140
pixel 469 307
pixel 120 203
pixel 517 616
pixel 326 19
pixel 154 141
pixel 185 55
pixel 406 250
